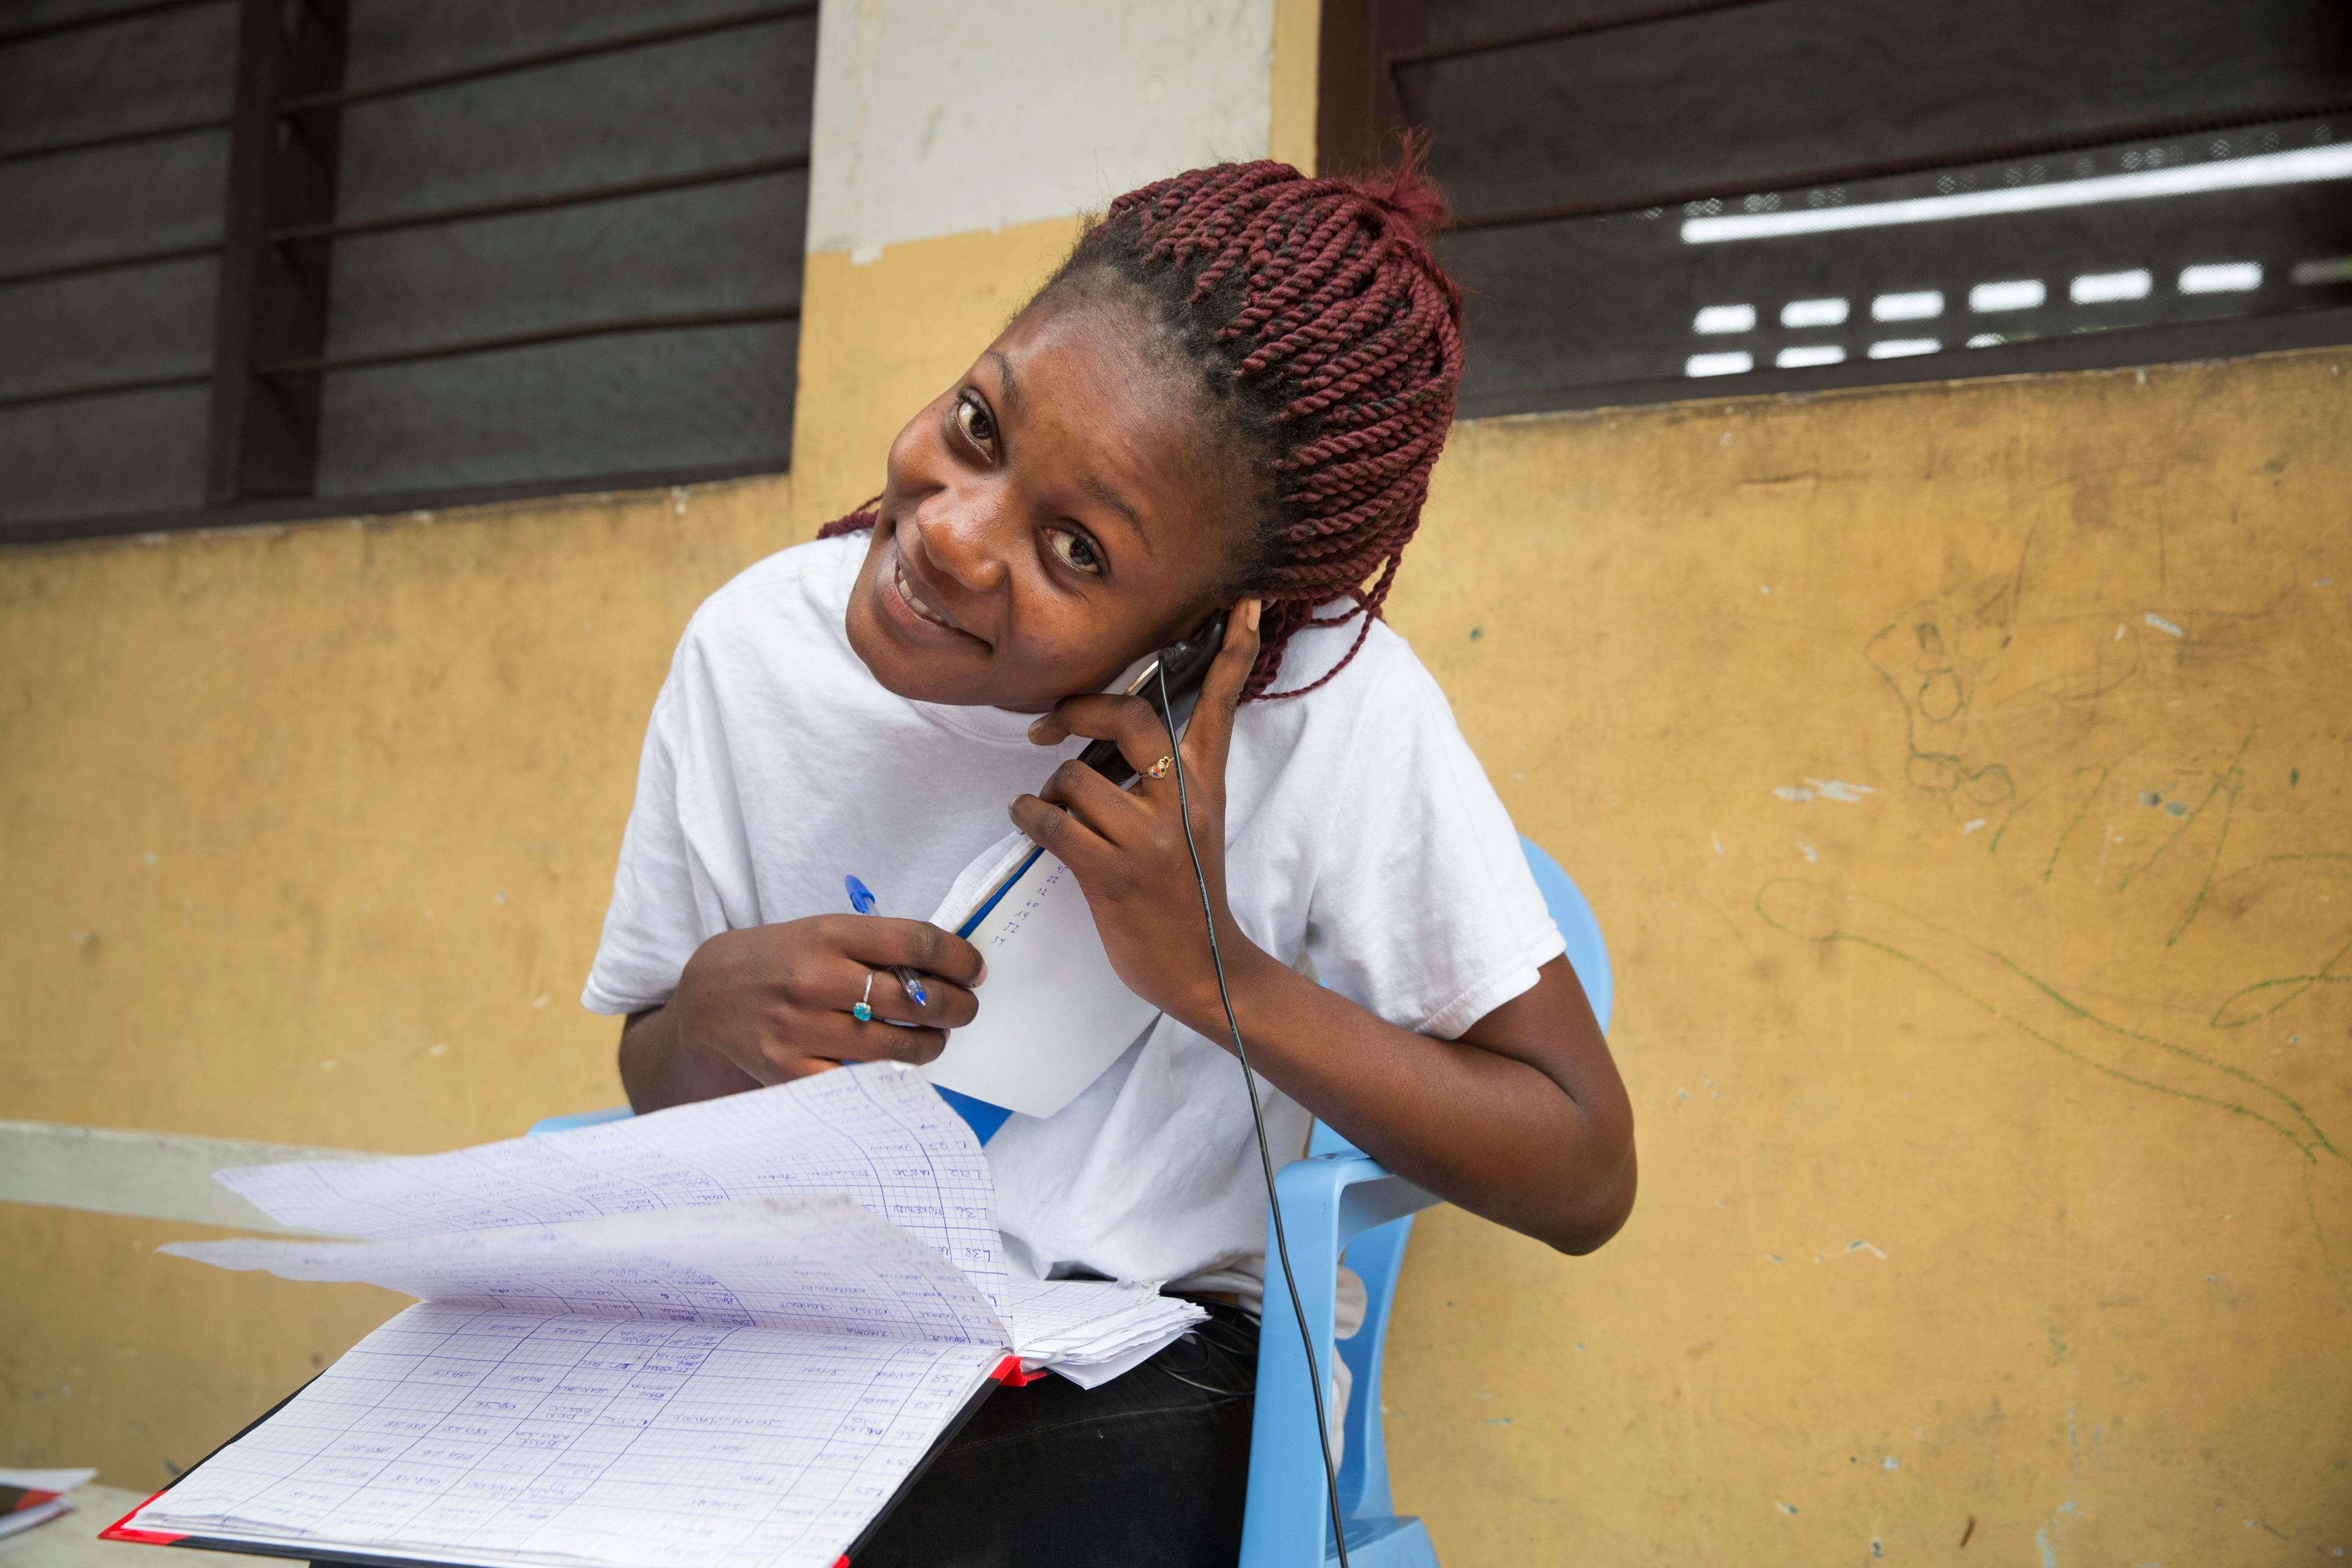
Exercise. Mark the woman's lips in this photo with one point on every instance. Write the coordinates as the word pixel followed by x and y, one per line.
pixel 914 601
pixel 916 605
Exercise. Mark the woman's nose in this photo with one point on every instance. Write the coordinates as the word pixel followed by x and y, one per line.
pixel 961 532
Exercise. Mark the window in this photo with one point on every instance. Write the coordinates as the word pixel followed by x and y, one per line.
pixel 1692 198
pixel 288 257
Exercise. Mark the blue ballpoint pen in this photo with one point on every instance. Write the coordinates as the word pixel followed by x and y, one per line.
pixel 861 899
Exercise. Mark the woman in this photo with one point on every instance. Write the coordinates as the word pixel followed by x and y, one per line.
pixel 1229 397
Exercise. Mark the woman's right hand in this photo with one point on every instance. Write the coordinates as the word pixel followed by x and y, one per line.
pixel 775 1000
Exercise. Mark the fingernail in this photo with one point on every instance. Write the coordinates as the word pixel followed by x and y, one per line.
pixel 1250 615
pixel 983 973
pixel 1037 728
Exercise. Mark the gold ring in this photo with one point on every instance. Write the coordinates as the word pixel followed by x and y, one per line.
pixel 1159 770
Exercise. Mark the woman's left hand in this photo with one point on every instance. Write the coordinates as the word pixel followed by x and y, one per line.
pixel 1522 1119
pixel 1127 846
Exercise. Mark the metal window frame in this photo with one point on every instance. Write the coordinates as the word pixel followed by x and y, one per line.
pixel 2087 140
pixel 386 504
pixel 279 229
pixel 1376 55
pixel 2120 348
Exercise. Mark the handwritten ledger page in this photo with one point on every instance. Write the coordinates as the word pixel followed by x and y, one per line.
pixel 723 1335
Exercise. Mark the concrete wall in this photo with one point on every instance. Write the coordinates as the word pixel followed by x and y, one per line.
pixel 1954 769
pixel 1960 775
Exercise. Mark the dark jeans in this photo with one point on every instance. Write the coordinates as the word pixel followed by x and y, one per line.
pixel 1147 1471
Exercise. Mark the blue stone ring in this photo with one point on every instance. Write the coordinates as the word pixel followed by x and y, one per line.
pixel 864 1011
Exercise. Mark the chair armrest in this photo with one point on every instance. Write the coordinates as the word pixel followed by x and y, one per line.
pixel 1355 1189
pixel 1328 1200
pixel 547 1124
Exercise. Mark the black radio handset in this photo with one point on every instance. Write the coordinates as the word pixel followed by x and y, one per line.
pixel 1173 674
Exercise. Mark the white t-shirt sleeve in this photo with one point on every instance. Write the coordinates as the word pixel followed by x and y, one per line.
pixel 1423 910
pixel 664 904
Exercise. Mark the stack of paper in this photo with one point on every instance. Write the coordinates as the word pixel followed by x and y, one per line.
pixel 1090 1331
pixel 727 1333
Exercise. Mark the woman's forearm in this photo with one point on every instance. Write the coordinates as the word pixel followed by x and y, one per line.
pixel 1522 1120
pixel 658 1070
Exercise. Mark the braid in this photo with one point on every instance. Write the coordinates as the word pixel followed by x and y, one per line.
pixel 1330 339
pixel 857 522
pixel 1329 342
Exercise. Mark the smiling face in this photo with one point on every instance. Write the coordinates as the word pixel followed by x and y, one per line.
pixel 1057 514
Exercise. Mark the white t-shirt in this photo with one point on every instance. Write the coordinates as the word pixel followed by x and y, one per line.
pixel 1363 844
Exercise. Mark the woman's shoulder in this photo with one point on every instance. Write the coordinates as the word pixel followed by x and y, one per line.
pixel 1379 701
pixel 1348 669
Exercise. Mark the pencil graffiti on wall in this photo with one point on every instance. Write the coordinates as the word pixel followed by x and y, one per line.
pixel 2097 770
pixel 2033 1004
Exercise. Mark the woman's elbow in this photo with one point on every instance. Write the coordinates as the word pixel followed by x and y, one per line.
pixel 1598 1207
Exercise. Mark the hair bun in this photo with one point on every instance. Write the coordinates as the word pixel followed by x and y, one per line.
pixel 1405 191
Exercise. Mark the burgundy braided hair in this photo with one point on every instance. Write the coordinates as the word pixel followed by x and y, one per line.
pixel 1329 342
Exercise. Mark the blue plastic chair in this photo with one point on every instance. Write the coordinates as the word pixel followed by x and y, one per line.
pixel 1337 1203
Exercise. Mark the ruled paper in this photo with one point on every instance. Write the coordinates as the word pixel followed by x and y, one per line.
pixel 874 1131
pixel 495 1435
pixel 817 1264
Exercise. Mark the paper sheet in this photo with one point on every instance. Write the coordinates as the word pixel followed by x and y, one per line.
pixel 1054 1014
pixel 1095 1374
pixel 47 1480
pixel 819 1264
pixel 1071 1312
pixel 500 1435
pixel 1091 1331
pixel 875 1132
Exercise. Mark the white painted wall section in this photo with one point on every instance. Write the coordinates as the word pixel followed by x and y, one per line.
pixel 147 1175
pixel 935 117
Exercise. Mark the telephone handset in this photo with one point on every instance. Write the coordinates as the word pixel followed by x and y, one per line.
pixel 1184 664
pixel 1173 674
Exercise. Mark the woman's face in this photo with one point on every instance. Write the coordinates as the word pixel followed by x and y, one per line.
pixel 1051 518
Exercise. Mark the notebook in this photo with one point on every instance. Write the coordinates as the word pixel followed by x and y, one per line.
pixel 28 1497
pixel 731 1334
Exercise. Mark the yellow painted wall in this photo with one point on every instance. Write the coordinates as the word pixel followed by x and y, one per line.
pixel 1993 1111
pixel 880 338
pixel 309 831
pixel 1291 83
pixel 380 770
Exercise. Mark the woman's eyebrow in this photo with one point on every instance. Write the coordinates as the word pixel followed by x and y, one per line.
pixel 1005 373
pixel 1110 498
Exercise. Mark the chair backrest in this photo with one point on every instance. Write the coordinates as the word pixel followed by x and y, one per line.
pixel 1376 1256
pixel 1587 953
